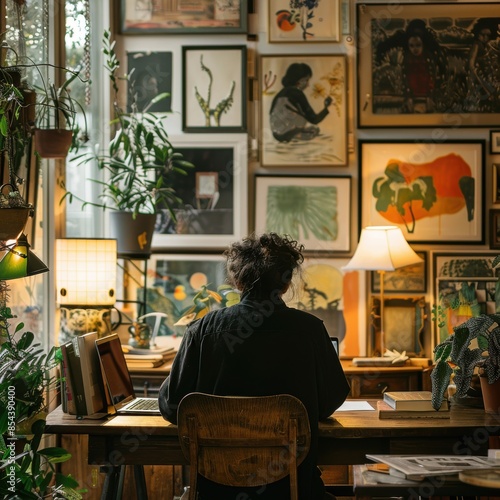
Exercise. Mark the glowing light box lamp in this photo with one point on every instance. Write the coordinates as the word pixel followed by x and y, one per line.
pixel 86 272
pixel 381 249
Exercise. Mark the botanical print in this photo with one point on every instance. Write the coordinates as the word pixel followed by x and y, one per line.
pixel 303 110
pixel 427 190
pixel 214 88
pixel 325 291
pixel 466 286
pixel 432 61
pixel 303 20
pixel 314 211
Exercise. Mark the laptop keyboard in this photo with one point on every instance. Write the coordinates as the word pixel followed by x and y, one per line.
pixel 144 404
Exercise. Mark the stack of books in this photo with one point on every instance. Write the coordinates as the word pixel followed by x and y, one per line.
pixel 83 387
pixel 148 358
pixel 410 404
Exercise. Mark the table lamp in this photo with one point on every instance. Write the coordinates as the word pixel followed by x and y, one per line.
pixel 381 249
pixel 86 284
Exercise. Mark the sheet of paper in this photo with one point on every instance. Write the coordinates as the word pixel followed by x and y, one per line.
pixel 352 404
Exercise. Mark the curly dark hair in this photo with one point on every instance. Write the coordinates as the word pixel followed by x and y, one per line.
pixel 264 263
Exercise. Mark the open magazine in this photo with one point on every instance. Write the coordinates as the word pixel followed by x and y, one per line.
pixel 418 467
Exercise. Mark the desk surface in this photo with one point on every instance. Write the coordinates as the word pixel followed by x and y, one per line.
pixel 345 438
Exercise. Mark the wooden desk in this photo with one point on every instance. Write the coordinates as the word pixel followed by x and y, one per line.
pixel 344 439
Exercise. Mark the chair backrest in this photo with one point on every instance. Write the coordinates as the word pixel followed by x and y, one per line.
pixel 243 441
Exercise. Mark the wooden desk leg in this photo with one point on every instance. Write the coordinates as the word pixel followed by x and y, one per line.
pixel 113 483
pixel 140 483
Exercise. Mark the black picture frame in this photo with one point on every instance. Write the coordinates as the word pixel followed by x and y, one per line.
pixel 494 142
pixel 220 106
pixel 494 226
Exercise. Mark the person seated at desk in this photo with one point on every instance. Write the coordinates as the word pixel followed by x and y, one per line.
pixel 260 347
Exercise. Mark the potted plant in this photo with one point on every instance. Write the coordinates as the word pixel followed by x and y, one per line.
pixel 138 165
pixel 27 374
pixel 57 127
pixel 474 344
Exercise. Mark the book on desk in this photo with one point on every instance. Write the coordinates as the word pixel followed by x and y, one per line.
pixel 387 412
pixel 412 400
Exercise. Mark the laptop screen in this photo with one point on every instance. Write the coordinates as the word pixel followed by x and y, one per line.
pixel 115 370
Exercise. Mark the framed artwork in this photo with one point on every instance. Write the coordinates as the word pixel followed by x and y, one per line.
pixel 305 22
pixel 303 110
pixel 145 17
pixel 496 183
pixel 150 82
pixel 338 298
pixel 174 279
pixel 214 82
pixel 434 191
pixel 314 210
pixel 495 228
pixel 213 212
pixel 408 279
pixel 428 66
pixel 404 323
pixel 466 285
pixel 494 142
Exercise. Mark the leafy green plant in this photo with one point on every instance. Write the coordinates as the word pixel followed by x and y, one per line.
pixel 26 377
pixel 474 344
pixel 139 161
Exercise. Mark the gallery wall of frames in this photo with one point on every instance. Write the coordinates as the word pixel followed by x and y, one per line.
pixel 318 118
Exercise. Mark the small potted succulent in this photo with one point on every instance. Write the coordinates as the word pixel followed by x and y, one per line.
pixel 473 347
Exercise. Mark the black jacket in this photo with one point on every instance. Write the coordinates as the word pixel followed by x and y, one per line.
pixel 260 347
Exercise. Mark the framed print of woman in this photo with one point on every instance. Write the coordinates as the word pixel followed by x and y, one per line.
pixel 303 110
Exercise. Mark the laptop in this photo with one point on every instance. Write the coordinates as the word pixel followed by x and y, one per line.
pixel 117 381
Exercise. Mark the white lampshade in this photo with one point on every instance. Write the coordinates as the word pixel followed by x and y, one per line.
pixel 86 271
pixel 382 248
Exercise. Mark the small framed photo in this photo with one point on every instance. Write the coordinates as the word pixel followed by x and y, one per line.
pixel 214 81
pixel 314 210
pixel 495 228
pixel 146 17
pixel 408 279
pixel 150 82
pixel 319 22
pixel 495 142
pixel 303 110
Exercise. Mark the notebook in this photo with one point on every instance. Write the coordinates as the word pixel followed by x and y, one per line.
pixel 117 380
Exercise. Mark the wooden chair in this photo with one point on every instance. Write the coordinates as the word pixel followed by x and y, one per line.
pixel 243 441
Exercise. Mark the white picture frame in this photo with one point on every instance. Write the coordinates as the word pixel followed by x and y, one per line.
pixel 208 224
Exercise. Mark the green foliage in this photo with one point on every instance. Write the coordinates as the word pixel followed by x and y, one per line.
pixel 26 376
pixel 475 343
pixel 139 161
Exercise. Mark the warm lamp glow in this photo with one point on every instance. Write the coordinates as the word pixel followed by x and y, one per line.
pixel 381 249
pixel 86 272
pixel 19 261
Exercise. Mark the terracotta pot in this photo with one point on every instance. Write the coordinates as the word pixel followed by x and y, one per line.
pixel 53 143
pixel 134 236
pixel 491 395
